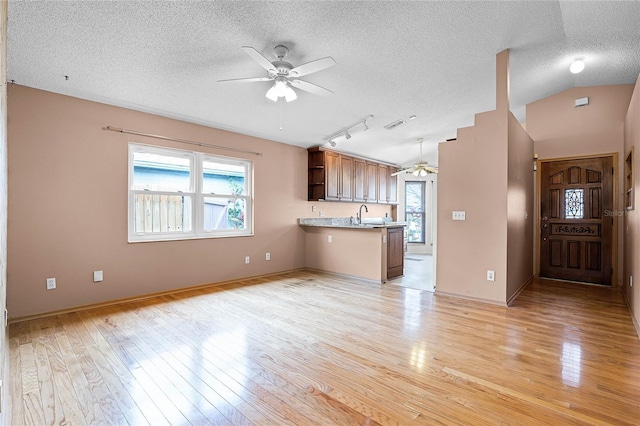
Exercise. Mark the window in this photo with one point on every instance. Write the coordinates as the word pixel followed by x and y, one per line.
pixel 574 203
pixel 415 211
pixel 175 195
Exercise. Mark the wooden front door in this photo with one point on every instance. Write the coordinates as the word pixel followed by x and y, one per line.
pixel 576 231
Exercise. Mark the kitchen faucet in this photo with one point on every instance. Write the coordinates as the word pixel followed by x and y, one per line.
pixel 360 213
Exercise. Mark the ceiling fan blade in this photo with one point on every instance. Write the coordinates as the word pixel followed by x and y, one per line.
pixel 260 59
pixel 311 67
pixel 311 88
pixel 431 169
pixel 407 170
pixel 245 80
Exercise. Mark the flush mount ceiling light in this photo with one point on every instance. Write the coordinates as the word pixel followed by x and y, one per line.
pixel 346 132
pixel 577 66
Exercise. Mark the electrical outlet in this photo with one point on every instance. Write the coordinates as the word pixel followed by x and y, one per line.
pixel 491 275
pixel 267 256
pixel 330 239
pixel 247 259
pixel 321 213
pixel 51 283
pixel 313 208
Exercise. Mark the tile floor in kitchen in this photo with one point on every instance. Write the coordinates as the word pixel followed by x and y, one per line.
pixel 418 272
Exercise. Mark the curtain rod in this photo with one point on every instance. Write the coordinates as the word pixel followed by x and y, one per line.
pixel 168 138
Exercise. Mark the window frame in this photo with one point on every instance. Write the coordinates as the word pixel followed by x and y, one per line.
pixel 423 191
pixel 196 193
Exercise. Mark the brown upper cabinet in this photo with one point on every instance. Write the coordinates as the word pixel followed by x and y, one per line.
pixel 338 177
pixel 393 186
pixel 360 180
pixel 372 183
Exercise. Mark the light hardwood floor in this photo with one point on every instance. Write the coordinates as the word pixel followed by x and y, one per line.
pixel 306 348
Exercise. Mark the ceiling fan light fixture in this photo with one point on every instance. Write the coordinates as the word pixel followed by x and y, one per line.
pixel 280 86
pixel 577 66
pixel 290 94
pixel 423 172
pixel 281 89
pixel 272 94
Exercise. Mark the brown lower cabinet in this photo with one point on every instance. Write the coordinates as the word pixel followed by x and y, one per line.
pixel 395 252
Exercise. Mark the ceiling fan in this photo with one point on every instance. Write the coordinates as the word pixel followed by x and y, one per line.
pixel 285 75
pixel 421 168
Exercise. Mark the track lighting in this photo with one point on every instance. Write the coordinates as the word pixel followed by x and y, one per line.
pixel 346 132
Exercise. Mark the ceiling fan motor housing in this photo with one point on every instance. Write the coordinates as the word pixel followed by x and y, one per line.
pixel 283 67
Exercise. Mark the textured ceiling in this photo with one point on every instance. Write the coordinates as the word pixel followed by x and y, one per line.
pixel 435 60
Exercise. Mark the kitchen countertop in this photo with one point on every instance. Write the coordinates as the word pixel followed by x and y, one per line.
pixel 346 222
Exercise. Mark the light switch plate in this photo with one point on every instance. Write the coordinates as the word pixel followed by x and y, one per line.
pixel 97 276
pixel 459 215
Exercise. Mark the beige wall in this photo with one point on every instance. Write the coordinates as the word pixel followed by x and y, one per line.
pixel 472 177
pixel 487 172
pixel 631 226
pixel 520 200
pixel 68 207
pixel 561 130
pixel 3 204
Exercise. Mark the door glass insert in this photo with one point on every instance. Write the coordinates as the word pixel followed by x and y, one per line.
pixel 574 203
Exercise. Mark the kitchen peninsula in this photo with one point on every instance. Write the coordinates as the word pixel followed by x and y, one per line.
pixel 372 250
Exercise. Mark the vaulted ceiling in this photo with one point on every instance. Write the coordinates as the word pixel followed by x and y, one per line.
pixel 394 59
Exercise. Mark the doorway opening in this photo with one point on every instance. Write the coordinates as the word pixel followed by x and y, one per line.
pixel 418 207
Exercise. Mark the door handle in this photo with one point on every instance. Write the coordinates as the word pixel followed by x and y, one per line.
pixel 545 218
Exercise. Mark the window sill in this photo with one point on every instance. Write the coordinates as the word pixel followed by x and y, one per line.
pixel 183 238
